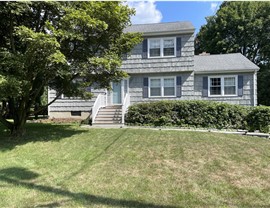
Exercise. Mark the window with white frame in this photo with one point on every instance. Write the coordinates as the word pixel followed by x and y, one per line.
pixel 162 87
pixel 162 47
pixel 222 85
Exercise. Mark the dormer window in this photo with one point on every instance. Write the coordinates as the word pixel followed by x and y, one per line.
pixel 161 47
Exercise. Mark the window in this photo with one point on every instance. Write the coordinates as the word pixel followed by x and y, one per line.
pixel 215 86
pixel 162 47
pixel 168 47
pixel 169 86
pixel 76 113
pixel 162 87
pixel 229 86
pixel 155 87
pixel 154 48
pixel 222 85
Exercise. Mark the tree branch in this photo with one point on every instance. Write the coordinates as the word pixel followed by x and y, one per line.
pixel 6 123
pixel 57 96
pixel 45 106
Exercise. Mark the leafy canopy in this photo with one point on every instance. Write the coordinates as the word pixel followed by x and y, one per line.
pixel 241 27
pixel 55 43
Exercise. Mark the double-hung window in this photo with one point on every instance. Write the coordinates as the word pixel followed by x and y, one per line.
pixel 162 87
pixel 222 86
pixel 162 47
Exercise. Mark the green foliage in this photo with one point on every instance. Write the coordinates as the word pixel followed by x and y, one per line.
pixel 206 114
pixel 66 46
pixel 188 113
pixel 259 119
pixel 264 85
pixel 240 27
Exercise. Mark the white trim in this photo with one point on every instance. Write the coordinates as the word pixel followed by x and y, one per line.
pixel 161 42
pixel 162 87
pixel 222 77
pixel 254 88
pixel 180 32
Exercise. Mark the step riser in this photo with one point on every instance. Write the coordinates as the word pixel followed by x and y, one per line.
pixel 109 115
pixel 112 107
pixel 106 122
pixel 110 111
pixel 108 119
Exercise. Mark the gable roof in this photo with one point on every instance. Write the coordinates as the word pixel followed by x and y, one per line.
pixel 223 62
pixel 160 28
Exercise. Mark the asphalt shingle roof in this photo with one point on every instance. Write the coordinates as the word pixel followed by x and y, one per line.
pixel 223 62
pixel 161 27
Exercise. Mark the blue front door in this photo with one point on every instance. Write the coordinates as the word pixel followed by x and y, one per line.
pixel 116 91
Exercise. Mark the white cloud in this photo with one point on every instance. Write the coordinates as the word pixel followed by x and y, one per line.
pixel 213 7
pixel 146 12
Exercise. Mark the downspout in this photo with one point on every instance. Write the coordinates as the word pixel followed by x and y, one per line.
pixel 254 88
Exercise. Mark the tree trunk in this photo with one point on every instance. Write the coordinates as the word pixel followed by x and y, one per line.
pixel 18 128
pixel 19 116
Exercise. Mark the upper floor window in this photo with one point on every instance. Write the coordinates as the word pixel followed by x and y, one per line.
pixel 162 47
pixel 222 85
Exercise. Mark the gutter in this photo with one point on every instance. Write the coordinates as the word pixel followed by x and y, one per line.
pixel 224 71
pixel 170 33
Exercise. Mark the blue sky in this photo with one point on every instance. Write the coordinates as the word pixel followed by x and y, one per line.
pixel 171 11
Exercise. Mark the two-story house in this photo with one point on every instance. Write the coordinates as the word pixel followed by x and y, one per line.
pixel 162 67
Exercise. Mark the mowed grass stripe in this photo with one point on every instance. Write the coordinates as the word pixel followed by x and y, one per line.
pixel 68 166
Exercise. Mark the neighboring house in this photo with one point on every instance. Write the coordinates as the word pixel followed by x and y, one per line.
pixel 164 67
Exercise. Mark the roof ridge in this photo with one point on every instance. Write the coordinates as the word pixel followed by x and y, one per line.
pixel 160 23
pixel 221 54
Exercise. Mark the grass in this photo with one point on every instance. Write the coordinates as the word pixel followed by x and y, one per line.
pixel 68 166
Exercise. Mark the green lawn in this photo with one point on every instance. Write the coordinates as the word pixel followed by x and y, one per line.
pixel 69 166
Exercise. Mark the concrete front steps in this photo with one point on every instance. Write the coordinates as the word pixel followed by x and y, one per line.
pixel 109 115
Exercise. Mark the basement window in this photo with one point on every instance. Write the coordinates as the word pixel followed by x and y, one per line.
pixel 76 113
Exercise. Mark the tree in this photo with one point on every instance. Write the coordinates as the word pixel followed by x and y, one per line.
pixel 54 44
pixel 240 27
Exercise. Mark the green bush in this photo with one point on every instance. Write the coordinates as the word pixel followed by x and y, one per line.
pixel 188 114
pixel 259 119
pixel 206 114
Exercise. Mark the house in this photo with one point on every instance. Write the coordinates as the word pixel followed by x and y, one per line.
pixel 162 67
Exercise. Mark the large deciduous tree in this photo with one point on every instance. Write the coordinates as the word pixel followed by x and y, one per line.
pixel 54 43
pixel 241 27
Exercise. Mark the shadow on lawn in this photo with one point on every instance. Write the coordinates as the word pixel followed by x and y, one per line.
pixel 19 176
pixel 36 132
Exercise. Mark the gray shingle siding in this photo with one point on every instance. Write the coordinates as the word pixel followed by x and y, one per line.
pixel 246 99
pixel 136 87
pixel 66 104
pixel 136 64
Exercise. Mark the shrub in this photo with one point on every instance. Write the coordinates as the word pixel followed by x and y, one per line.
pixel 259 119
pixel 205 114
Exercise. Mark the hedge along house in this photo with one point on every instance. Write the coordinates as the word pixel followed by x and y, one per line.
pixel 164 67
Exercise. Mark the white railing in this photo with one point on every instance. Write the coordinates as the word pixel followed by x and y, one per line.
pixel 99 103
pixel 126 104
